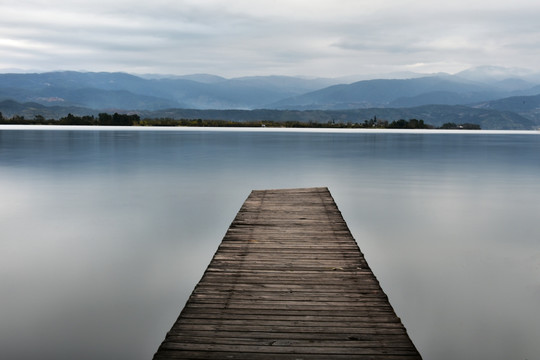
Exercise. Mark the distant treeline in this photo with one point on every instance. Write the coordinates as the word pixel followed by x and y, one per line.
pixel 102 119
pixel 116 119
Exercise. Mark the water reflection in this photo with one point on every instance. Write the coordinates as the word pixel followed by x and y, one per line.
pixel 104 234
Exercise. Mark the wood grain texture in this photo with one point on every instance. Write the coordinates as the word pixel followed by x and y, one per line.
pixel 288 282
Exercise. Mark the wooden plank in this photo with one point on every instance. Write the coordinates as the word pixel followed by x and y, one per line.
pixel 216 355
pixel 288 281
pixel 287 349
pixel 226 339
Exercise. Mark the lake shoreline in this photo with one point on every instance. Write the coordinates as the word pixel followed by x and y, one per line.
pixel 263 129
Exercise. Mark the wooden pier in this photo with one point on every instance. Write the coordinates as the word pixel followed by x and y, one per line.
pixel 288 282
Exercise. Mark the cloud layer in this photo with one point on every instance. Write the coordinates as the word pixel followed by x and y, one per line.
pixel 291 37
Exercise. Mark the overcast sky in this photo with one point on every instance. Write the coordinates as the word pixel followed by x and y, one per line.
pixel 268 37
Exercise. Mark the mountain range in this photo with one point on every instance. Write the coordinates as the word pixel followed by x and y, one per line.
pixel 509 93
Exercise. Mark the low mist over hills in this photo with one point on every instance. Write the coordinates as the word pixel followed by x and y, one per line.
pixel 500 91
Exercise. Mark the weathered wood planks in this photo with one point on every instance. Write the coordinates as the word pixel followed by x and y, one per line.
pixel 288 282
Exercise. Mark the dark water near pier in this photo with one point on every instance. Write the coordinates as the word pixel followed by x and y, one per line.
pixel 103 233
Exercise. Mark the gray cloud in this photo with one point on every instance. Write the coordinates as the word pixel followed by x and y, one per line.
pixel 294 37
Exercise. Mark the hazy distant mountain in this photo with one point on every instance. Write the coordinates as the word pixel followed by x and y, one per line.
pixel 205 91
pixel 515 104
pixel 397 75
pixel 514 85
pixel 392 93
pixel 493 74
pixel 93 90
pixel 202 78
pixel 294 85
pixel 526 106
pixel 493 91
pixel 124 91
pixel 10 108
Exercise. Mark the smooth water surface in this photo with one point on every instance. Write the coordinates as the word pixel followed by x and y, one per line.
pixel 104 233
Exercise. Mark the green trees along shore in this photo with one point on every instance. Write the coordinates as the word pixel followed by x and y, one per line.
pixel 116 119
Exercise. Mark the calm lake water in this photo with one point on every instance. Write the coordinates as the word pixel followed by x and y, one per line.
pixel 104 233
